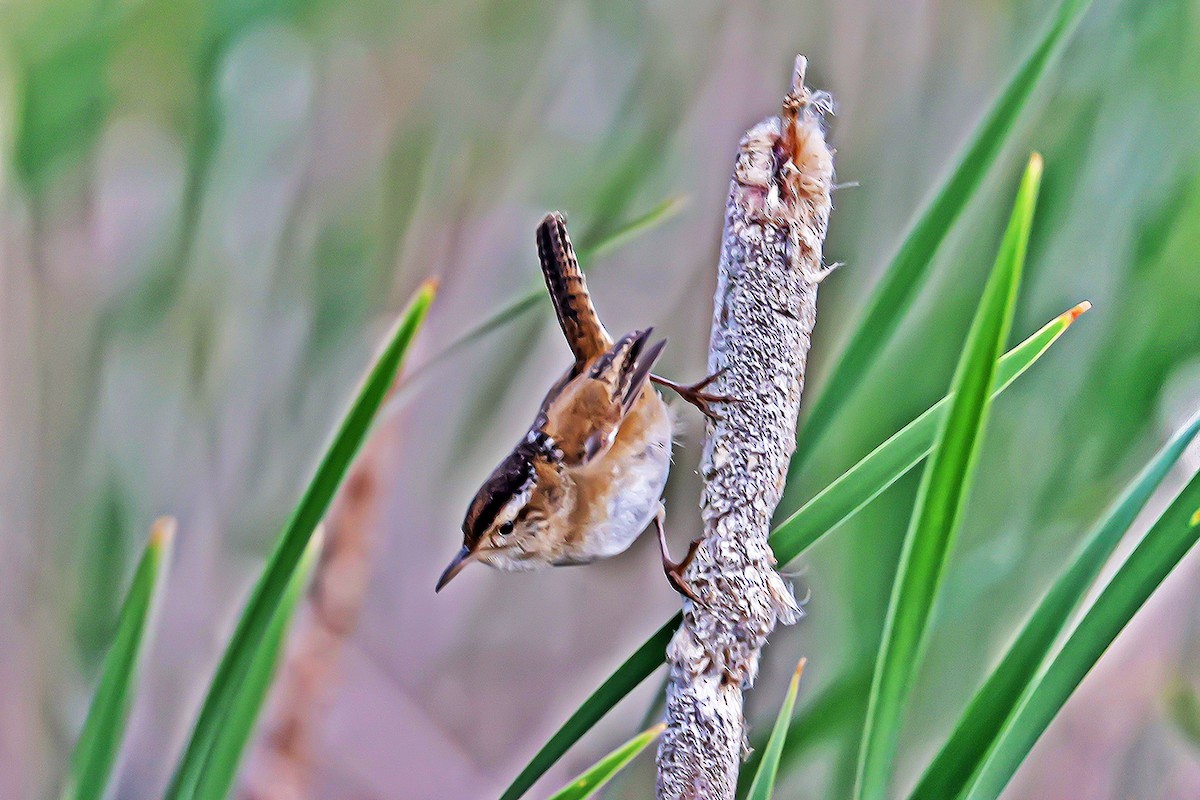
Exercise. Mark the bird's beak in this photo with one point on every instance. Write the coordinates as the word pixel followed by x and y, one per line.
pixel 456 564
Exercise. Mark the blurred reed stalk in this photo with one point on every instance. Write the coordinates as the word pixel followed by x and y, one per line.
pixel 280 766
pixel 763 315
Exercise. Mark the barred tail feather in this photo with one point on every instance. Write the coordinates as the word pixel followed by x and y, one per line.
pixel 564 279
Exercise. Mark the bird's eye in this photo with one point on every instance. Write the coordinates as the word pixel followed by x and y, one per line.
pixel 506 528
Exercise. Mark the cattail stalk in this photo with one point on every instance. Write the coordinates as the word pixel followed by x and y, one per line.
pixel 764 311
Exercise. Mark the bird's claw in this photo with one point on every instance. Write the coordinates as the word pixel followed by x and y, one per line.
pixel 674 569
pixel 694 393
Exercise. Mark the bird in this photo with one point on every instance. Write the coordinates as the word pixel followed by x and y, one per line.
pixel 587 478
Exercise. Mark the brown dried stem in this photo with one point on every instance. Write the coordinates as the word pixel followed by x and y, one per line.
pixel 764 311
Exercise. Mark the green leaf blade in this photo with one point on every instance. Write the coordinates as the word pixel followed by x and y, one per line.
pixel 228 748
pixel 831 507
pixel 979 726
pixel 892 459
pixel 536 297
pixel 825 716
pixel 1155 556
pixel 639 666
pixel 294 539
pixel 100 739
pixel 905 274
pixel 940 500
pixel 665 210
pixel 594 779
pixel 764 779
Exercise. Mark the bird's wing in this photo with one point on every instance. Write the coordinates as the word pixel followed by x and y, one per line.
pixel 584 417
pixel 572 304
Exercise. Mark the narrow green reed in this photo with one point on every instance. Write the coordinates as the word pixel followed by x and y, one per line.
pixel 832 506
pixel 103 731
pixel 940 500
pixel 269 592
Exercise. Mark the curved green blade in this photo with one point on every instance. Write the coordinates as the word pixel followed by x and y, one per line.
pixel 594 779
pixel 892 460
pixel 832 506
pixel 905 276
pixel 940 500
pixel 225 757
pixel 959 757
pixel 827 714
pixel 764 779
pixel 1167 542
pixel 281 566
pixel 656 216
pixel 665 210
pixel 104 729
pixel 636 669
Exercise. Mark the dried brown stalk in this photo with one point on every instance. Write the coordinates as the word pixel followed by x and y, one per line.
pixel 764 311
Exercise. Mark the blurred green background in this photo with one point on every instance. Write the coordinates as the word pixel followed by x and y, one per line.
pixel 209 211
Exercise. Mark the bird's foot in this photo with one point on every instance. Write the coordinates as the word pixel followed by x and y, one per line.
pixel 674 569
pixel 694 393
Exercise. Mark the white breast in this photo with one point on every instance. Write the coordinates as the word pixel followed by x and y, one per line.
pixel 639 473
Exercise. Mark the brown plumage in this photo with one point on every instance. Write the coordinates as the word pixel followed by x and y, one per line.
pixel 578 319
pixel 586 478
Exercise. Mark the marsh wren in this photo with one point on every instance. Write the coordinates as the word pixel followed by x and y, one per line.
pixel 586 479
